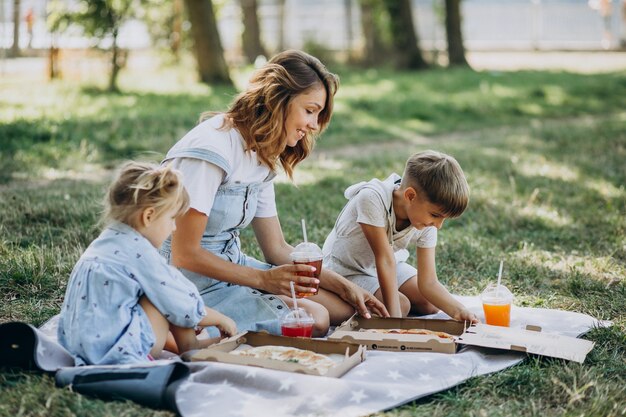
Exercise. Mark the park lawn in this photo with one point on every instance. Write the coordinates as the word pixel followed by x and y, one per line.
pixel 543 152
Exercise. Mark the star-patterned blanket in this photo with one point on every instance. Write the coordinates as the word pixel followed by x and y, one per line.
pixel 384 380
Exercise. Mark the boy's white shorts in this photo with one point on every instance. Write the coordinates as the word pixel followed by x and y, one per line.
pixel 404 272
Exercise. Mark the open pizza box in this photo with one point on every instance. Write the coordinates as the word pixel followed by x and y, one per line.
pixel 345 355
pixel 531 339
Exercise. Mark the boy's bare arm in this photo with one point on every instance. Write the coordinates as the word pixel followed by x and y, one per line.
pixel 434 291
pixel 378 240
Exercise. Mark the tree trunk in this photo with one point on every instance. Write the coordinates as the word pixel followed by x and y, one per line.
pixel 15 48
pixel 207 45
pixel 405 39
pixel 374 50
pixel 348 17
pixel 177 27
pixel 454 35
pixel 115 64
pixel 251 36
pixel 281 25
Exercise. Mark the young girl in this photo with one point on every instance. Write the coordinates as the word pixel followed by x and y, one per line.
pixel 123 297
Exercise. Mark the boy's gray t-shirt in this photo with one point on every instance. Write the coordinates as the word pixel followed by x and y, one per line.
pixel 346 250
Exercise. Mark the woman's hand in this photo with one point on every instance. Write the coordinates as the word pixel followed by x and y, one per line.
pixel 276 280
pixel 364 302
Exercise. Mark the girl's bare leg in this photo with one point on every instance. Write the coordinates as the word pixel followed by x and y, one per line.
pixel 175 339
pixel 160 325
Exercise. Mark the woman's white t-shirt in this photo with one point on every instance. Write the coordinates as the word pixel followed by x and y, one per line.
pixel 202 178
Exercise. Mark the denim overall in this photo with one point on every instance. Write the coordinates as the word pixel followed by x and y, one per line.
pixel 233 209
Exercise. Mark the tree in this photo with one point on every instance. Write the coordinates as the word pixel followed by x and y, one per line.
pixel 408 54
pixel 454 35
pixel 100 19
pixel 207 44
pixel 251 36
pixel 164 21
pixel 374 20
pixel 15 48
pixel 281 25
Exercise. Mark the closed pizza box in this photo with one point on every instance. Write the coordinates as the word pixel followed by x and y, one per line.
pixel 346 355
pixel 530 340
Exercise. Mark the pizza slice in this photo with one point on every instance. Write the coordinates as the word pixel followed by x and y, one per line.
pixel 307 358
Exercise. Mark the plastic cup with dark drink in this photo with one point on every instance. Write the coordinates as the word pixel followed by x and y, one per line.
pixel 297 323
pixel 308 253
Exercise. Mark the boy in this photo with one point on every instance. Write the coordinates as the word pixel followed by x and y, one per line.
pixel 368 242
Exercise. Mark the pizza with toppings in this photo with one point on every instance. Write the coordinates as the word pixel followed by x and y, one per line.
pixel 442 335
pixel 312 360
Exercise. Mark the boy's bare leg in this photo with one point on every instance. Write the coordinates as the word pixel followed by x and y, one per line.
pixel 405 304
pixel 318 311
pixel 419 304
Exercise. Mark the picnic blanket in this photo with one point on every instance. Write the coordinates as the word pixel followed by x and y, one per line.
pixel 384 380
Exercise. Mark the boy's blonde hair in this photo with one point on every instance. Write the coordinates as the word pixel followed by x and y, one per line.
pixel 141 185
pixel 259 112
pixel 438 178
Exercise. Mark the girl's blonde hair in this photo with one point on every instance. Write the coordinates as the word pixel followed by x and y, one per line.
pixel 141 185
pixel 259 113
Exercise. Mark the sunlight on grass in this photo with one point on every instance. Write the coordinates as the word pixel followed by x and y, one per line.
pixel 540 166
pixel 549 215
pixel 605 188
pixel 603 269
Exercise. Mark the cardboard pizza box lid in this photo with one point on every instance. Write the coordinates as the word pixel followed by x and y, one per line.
pixel 353 353
pixel 530 340
pixel 355 330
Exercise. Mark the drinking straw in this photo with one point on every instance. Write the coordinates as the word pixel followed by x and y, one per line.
pixel 295 302
pixel 304 230
pixel 499 278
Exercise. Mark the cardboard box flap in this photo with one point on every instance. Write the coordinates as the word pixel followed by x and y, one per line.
pixel 353 353
pixel 356 329
pixel 530 340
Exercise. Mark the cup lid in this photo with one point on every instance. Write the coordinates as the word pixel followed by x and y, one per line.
pixel 294 316
pixel 496 294
pixel 306 250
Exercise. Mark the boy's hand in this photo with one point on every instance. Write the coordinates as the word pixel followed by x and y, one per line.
pixel 465 315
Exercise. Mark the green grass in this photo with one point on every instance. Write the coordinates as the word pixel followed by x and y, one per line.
pixel 544 154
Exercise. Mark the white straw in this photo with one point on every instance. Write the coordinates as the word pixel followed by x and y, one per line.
pixel 304 230
pixel 499 278
pixel 295 301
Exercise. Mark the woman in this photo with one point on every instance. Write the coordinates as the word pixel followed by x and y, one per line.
pixel 228 162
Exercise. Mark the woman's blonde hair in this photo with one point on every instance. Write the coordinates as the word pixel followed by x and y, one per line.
pixel 141 185
pixel 259 113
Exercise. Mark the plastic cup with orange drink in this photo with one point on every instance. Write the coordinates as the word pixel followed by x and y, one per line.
pixel 497 300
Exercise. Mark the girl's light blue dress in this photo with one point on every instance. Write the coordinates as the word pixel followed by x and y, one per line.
pixel 101 320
